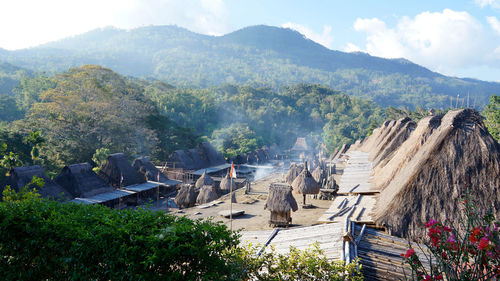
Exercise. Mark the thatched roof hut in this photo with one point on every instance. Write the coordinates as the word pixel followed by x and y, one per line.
pixel 304 183
pixel 205 179
pixel 186 197
pixel 117 166
pixel 203 156
pixel 251 158
pixel 81 181
pixel 19 177
pixel 148 170
pixel 319 174
pixel 429 172
pixel 226 183
pixel 207 194
pixel 293 172
pixel 280 202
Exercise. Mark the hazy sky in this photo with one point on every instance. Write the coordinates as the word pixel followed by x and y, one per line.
pixel 460 38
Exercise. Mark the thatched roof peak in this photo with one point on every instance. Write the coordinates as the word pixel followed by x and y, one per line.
pixel 207 194
pixel 205 179
pixel 81 181
pixel 304 183
pixel 226 183
pixel 186 197
pixel 280 199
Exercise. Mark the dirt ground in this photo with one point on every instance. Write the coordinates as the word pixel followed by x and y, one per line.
pixel 255 217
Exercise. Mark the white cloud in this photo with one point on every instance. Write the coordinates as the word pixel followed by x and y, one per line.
pixel 26 23
pixel 441 41
pixel 484 3
pixel 494 23
pixel 325 38
pixel 350 47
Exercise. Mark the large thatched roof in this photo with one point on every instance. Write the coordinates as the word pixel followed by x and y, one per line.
pixel 300 145
pixel 81 181
pixel 203 156
pixel 21 176
pixel 437 164
pixel 186 197
pixel 318 174
pixel 205 179
pixel 280 199
pixel 148 170
pixel 226 184
pixel 293 172
pixel 207 194
pixel 116 166
pixel 304 183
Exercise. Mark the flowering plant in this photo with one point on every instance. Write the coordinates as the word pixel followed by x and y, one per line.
pixel 469 251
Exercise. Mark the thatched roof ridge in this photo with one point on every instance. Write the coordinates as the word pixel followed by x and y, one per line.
pixel 318 174
pixel 81 181
pixel 186 197
pixel 370 143
pixel 304 183
pixel 300 145
pixel 205 179
pixel 388 135
pixel 148 170
pixel 459 153
pixel 203 156
pixel 226 184
pixel 398 135
pixel 21 176
pixel 117 165
pixel 293 172
pixel 207 194
pixel 280 199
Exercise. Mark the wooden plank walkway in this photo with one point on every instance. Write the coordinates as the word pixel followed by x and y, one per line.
pixel 357 208
pixel 357 175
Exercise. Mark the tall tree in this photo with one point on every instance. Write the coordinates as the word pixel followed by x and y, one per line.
pixel 492 114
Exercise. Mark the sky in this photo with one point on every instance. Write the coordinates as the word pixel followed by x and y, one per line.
pixel 458 38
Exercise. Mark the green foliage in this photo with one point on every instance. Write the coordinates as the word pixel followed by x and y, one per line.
pixel 492 114
pixel 10 160
pixel 29 89
pixel 36 141
pixel 310 264
pixel 236 139
pixel 46 240
pixel 99 158
pixel 9 110
pixel 28 192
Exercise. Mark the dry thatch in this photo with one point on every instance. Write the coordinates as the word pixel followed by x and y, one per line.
pixel 186 197
pixel 434 167
pixel 319 174
pixel 19 177
pixel 394 139
pixel 204 180
pixel 280 199
pixel 117 166
pixel 304 183
pixel 81 181
pixel 207 194
pixel 225 185
pixel 148 170
pixel 203 156
pixel 293 172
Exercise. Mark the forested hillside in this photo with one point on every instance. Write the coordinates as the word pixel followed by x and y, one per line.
pixel 71 115
pixel 258 56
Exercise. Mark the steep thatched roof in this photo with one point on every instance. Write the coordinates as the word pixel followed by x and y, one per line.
pixel 304 183
pixel 226 183
pixel 280 199
pixel 148 170
pixel 21 176
pixel 300 145
pixel 318 174
pixel 393 139
pixel 341 151
pixel 81 181
pixel 436 165
pixel 186 197
pixel 116 166
pixel 293 172
pixel 203 156
pixel 205 179
pixel 207 194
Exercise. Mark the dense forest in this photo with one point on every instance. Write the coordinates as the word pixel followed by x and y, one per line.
pixel 67 117
pixel 257 56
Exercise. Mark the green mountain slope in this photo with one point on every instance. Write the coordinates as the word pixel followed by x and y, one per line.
pixel 257 56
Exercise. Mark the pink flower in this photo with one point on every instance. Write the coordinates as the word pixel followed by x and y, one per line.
pixel 410 252
pixel 447 229
pixel 483 244
pixel 431 223
pixel 427 278
pixel 439 277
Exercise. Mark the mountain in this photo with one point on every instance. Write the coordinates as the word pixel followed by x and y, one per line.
pixel 257 56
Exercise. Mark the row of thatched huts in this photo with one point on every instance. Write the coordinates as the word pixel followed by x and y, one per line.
pixel 80 183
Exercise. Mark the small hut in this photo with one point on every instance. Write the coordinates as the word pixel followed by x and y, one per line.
pixel 186 197
pixel 280 202
pixel 225 185
pixel 319 175
pixel 81 181
pixel 116 167
pixel 305 184
pixel 293 172
pixel 205 179
pixel 207 194
pixel 20 177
